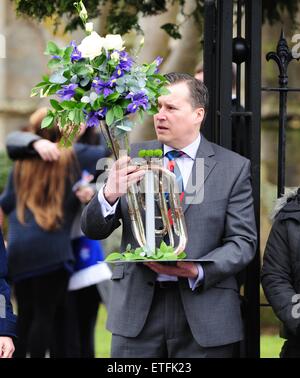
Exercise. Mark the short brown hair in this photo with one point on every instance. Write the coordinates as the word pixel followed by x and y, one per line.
pixel 198 91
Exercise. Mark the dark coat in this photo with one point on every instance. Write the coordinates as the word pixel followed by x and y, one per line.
pixel 7 318
pixel 281 267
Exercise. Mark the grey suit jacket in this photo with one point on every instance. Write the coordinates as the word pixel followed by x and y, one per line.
pixel 221 236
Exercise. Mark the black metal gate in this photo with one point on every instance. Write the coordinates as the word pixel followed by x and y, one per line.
pixel 283 56
pixel 235 126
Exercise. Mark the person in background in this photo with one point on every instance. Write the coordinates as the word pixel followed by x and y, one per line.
pixel 41 207
pixel 7 318
pixel 89 283
pixel 280 275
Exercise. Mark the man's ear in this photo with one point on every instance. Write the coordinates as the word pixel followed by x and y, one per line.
pixel 199 115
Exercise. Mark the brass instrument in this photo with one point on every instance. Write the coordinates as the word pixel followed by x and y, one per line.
pixel 172 218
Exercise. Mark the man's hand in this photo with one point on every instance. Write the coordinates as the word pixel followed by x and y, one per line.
pixel 47 150
pixel 85 194
pixel 121 176
pixel 185 269
pixel 6 347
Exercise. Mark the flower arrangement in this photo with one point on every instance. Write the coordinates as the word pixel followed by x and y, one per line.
pixel 96 81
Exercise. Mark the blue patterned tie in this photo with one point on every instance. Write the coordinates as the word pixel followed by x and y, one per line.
pixel 173 167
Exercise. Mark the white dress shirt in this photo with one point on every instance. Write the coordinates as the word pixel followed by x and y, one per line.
pixel 185 164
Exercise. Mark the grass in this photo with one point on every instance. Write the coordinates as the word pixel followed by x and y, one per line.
pixel 102 336
pixel 270 345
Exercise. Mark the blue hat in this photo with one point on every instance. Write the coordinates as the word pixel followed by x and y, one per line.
pixel 87 252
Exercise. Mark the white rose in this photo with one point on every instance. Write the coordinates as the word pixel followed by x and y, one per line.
pixel 89 26
pixel 113 42
pixel 91 46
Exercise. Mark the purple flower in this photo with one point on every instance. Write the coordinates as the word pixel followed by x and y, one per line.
pixel 101 113
pixel 67 91
pixel 56 57
pixel 125 61
pixel 138 99
pixel 104 87
pixel 93 117
pixel 158 61
pixel 76 54
pixel 124 65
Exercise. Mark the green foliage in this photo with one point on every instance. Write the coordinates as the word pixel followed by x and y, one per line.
pixel 150 153
pixel 163 253
pixel 5 167
pixel 74 78
pixel 123 15
pixel 270 346
pixel 102 335
pixel 273 10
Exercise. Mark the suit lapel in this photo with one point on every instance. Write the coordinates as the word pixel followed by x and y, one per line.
pixel 206 152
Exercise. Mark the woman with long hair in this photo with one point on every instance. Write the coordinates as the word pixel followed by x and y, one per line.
pixel 41 207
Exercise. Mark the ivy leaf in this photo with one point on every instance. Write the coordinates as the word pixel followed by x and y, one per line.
pixel 109 117
pixel 79 117
pixel 114 256
pixel 169 257
pixel 181 256
pixel 53 63
pixel 52 49
pixel 55 105
pixel 151 69
pixel 71 115
pixel 163 247
pixel 47 121
pixel 52 89
pixel 113 96
pixel 68 105
pixel 57 78
pixel 118 112
pixel 67 54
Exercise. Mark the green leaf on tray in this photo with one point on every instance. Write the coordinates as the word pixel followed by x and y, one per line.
pixel 163 253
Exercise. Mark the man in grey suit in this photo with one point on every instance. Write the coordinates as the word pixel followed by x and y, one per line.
pixel 191 309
